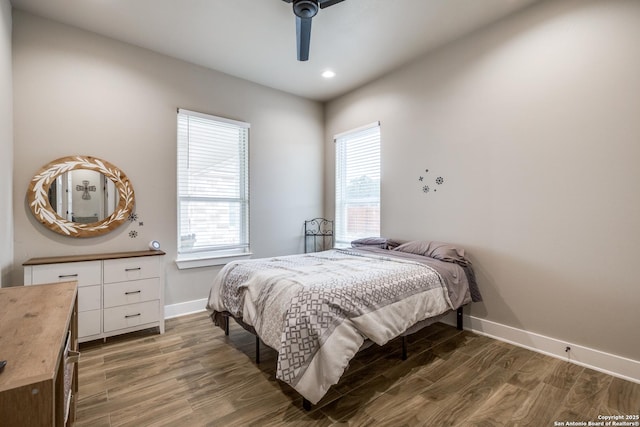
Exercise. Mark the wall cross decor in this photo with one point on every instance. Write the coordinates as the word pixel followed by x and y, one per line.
pixel 86 188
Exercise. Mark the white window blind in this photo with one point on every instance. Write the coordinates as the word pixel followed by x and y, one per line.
pixel 213 185
pixel 357 184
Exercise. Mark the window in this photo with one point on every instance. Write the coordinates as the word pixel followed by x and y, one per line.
pixel 213 188
pixel 357 184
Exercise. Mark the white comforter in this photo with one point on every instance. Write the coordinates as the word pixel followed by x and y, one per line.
pixel 317 309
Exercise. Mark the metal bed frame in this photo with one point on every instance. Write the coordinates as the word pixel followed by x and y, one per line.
pixel 318 231
pixel 223 321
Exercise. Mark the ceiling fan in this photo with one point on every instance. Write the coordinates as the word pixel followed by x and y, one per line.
pixel 305 10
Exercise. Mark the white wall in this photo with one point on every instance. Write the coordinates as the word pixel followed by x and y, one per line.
pixel 80 93
pixel 534 124
pixel 6 145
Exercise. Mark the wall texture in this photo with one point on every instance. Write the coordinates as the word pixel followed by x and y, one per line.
pixel 533 124
pixel 79 93
pixel 6 145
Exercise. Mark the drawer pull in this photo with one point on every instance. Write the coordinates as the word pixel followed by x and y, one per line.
pixel 73 356
pixel 132 292
pixel 132 315
pixel 62 276
pixel 133 269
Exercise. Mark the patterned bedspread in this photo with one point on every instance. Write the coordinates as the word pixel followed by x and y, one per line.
pixel 317 309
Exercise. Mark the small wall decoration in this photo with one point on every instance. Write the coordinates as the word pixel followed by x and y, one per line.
pixel 424 180
pixel 134 217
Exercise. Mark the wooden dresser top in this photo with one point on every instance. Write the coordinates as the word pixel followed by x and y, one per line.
pixel 90 257
pixel 33 330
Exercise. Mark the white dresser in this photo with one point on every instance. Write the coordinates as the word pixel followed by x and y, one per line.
pixel 117 292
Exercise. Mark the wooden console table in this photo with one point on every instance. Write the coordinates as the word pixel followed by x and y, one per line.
pixel 39 341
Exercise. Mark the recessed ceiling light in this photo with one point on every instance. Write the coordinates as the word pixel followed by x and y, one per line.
pixel 328 74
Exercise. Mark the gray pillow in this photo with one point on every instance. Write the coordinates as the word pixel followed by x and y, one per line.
pixel 378 242
pixel 438 250
pixel 394 243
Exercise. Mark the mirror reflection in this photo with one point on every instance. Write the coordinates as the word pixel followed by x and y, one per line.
pixel 84 196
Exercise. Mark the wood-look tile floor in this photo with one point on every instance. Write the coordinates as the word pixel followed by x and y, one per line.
pixel 194 375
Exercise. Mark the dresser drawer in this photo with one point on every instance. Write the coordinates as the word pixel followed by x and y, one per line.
pixel 122 270
pixel 89 323
pixel 89 298
pixel 86 273
pixel 131 292
pixel 126 316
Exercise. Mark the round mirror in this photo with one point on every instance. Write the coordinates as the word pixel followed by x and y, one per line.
pixel 81 196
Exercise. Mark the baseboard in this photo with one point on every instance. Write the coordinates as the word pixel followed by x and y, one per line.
pixel 184 308
pixel 607 363
pixel 611 364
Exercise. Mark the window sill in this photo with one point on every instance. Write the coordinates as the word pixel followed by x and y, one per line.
pixel 187 261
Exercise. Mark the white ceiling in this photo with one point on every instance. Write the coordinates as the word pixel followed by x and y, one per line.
pixel 255 39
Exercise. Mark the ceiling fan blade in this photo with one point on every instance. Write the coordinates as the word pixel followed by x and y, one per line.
pixel 326 3
pixel 303 37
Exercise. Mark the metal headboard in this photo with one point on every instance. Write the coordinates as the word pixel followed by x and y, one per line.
pixel 318 235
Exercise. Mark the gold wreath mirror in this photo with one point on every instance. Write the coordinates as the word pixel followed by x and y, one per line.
pixel 81 196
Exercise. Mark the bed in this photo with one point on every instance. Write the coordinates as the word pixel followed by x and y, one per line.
pixel 318 310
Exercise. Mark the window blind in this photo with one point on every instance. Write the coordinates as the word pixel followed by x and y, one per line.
pixel 213 184
pixel 357 184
